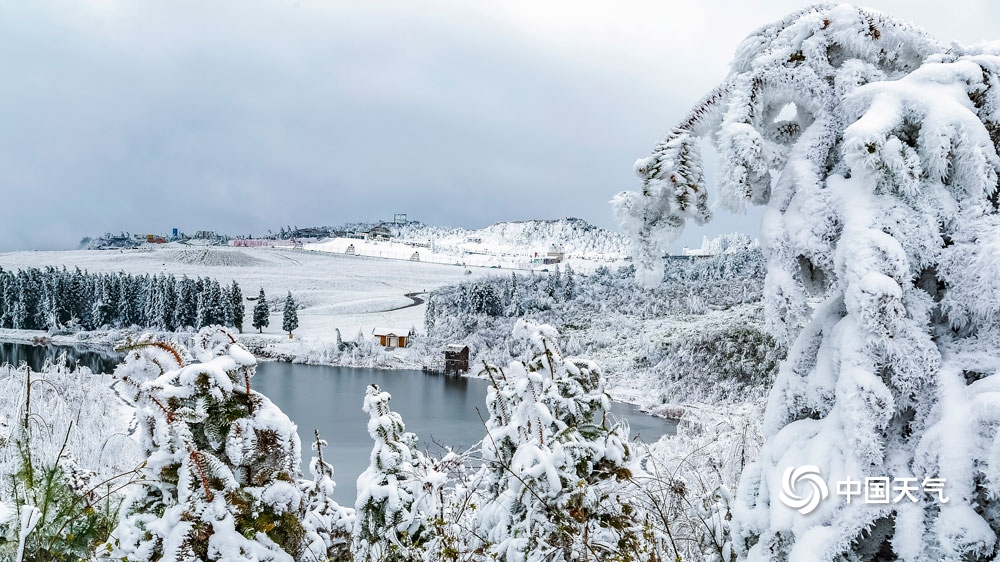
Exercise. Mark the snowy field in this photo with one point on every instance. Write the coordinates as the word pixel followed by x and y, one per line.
pixel 334 291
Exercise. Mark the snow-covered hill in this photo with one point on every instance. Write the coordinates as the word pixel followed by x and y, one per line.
pixel 514 245
pixel 575 237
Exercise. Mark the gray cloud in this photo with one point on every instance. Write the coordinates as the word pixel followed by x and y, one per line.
pixel 243 116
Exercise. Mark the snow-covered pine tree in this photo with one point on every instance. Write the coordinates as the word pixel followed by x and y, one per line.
pixel 553 284
pixel 216 301
pixel 9 297
pixel 874 149
pixel 236 306
pixel 261 312
pixel 225 307
pixel 221 478
pixel 169 312
pixel 552 480
pixel 153 303
pixel 429 314
pixel 328 525
pixel 204 305
pixel 290 317
pixel 29 293
pixel 390 524
pixel 100 312
pixel 186 315
pixel 130 303
pixel 569 284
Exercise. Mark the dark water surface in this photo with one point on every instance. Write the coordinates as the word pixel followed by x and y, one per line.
pixel 439 408
pixel 98 360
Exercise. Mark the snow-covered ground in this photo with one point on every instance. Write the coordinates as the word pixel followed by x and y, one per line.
pixel 334 291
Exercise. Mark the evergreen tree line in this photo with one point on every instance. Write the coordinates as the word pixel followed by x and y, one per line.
pixel 50 298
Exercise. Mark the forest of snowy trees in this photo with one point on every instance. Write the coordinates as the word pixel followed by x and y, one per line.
pixel 50 298
pixel 592 311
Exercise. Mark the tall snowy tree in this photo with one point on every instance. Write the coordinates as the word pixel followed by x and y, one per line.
pixel 429 314
pixel 168 310
pixel 236 306
pixel 569 284
pixel 874 149
pixel 186 315
pixel 261 312
pixel 290 317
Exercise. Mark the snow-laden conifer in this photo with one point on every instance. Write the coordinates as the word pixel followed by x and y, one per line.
pixel 328 525
pixel 397 490
pixel 221 477
pixel 552 483
pixel 290 317
pixel 874 149
pixel 261 312
pixel 236 306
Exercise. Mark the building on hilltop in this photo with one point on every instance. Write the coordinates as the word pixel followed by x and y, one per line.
pixel 379 233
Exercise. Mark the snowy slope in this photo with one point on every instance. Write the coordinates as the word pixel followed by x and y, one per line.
pixel 575 237
pixel 507 245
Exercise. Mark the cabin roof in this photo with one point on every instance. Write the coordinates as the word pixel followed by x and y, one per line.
pixel 391 331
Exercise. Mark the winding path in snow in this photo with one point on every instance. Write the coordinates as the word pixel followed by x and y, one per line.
pixel 413 297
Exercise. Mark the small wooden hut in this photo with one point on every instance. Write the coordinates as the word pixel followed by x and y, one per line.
pixel 392 337
pixel 456 358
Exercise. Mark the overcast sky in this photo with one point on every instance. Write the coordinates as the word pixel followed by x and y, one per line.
pixel 247 115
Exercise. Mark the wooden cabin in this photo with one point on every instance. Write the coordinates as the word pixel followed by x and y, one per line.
pixel 392 338
pixel 456 358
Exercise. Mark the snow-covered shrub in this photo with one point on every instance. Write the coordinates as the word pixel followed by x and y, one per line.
pixel 874 149
pixel 740 358
pixel 554 476
pixel 221 475
pixel 684 484
pixel 398 490
pixel 328 525
pixel 52 505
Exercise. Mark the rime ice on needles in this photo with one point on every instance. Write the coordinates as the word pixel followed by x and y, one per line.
pixel 874 149
pixel 553 470
pixel 397 490
pixel 221 477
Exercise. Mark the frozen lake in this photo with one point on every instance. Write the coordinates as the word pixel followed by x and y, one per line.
pixel 439 409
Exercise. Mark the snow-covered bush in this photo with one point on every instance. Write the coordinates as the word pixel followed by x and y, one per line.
pixel 874 149
pixel 554 475
pixel 221 479
pixel 59 478
pixel 684 484
pixel 329 525
pixel 398 490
